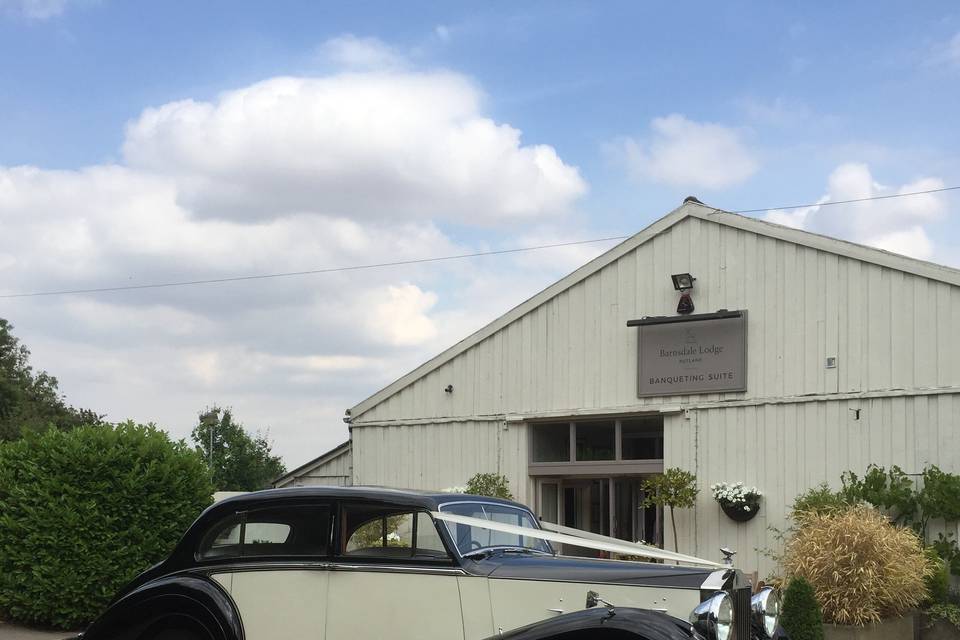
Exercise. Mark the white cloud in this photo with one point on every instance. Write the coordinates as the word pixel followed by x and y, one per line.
pixel 895 224
pixel 685 153
pixel 398 315
pixel 34 9
pixel 945 53
pixel 384 146
pixel 290 174
pixel 367 53
pixel 442 32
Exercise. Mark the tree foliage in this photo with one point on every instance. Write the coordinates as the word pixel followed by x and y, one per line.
pixel 492 485
pixel 83 512
pixel 238 460
pixel 674 489
pixel 31 401
pixel 801 619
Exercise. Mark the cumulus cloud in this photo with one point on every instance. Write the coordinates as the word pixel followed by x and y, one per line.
pixel 383 146
pixel 895 225
pixel 353 52
pixel 290 174
pixel 34 9
pixel 684 153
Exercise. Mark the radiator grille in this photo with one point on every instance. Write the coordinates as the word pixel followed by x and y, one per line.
pixel 741 613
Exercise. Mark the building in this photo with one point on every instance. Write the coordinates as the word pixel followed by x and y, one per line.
pixel 831 356
pixel 333 468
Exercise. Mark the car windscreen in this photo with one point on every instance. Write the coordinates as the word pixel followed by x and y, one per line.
pixel 470 538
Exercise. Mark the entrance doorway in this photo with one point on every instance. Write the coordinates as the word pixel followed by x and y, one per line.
pixel 608 506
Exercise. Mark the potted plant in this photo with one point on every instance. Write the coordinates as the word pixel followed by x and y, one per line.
pixel 740 503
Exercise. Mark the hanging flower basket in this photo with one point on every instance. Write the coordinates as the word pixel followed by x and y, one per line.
pixel 738 513
pixel 738 502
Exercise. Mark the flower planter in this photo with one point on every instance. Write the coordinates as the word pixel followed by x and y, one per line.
pixel 903 628
pixel 738 514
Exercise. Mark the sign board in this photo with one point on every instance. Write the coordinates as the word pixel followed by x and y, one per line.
pixel 681 355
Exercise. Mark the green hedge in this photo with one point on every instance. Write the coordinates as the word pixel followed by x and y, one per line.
pixel 83 512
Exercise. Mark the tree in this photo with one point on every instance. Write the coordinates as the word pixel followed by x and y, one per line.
pixel 492 485
pixel 30 401
pixel 674 489
pixel 239 461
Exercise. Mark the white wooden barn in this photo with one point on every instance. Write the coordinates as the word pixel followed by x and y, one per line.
pixel 851 357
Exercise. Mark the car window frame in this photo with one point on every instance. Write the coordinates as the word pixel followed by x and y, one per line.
pixel 242 515
pixel 340 538
pixel 491 503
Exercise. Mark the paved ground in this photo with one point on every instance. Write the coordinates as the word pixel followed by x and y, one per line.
pixel 14 632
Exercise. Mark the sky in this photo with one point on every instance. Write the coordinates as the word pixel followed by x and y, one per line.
pixel 145 143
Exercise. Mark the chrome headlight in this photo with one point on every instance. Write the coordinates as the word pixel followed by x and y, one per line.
pixel 713 617
pixel 765 607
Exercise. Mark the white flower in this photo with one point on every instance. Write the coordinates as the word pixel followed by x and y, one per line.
pixel 746 507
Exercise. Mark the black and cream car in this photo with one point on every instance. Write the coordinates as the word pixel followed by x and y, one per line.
pixel 352 562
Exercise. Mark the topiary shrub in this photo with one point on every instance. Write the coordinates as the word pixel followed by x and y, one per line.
pixel 83 512
pixel 801 617
pixel 862 568
pixel 492 485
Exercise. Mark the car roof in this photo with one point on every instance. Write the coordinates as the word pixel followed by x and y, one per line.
pixel 402 497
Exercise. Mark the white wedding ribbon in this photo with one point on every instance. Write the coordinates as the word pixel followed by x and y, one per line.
pixel 565 535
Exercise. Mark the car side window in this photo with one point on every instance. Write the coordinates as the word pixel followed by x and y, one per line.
pixel 279 531
pixel 372 532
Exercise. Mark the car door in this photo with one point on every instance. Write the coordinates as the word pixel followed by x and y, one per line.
pixel 392 578
pixel 274 564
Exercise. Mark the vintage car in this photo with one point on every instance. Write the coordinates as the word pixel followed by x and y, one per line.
pixel 362 562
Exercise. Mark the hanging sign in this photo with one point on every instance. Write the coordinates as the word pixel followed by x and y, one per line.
pixel 680 355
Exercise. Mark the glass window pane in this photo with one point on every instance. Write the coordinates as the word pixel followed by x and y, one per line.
pixel 284 531
pixel 394 531
pixel 596 440
pixel 551 442
pixel 548 502
pixel 642 438
pixel 428 539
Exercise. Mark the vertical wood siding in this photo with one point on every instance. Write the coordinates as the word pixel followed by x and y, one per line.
pixel 887 329
pixel 440 456
pixel 785 449
pixel 890 332
pixel 337 471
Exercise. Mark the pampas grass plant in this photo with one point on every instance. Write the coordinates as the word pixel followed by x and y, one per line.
pixel 862 568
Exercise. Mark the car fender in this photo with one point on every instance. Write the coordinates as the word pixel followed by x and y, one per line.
pixel 600 622
pixel 191 598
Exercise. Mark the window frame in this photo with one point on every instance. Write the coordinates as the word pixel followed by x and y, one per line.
pixel 241 517
pixel 339 555
pixel 574 467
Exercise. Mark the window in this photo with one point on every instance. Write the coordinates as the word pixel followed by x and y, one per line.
pixel 600 444
pixel 280 531
pixel 375 532
pixel 470 538
pixel 551 442
pixel 642 438
pixel 596 441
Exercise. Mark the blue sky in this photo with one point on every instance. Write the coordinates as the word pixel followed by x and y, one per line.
pixel 629 106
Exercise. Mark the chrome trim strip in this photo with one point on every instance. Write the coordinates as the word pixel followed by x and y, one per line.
pixel 331 566
pixel 591 582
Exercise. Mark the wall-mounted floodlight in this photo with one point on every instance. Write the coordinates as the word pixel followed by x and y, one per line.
pixel 682 281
